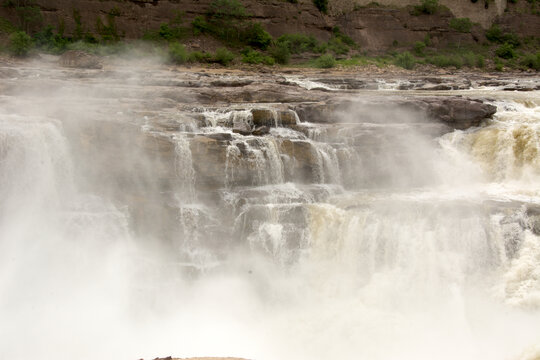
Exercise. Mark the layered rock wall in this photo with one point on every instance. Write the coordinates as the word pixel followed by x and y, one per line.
pixel 375 26
pixel 477 11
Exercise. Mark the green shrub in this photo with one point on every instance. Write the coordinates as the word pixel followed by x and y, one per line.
pixel 299 43
pixel 499 65
pixel 512 39
pixel 322 5
pixel 90 38
pixel 200 25
pixel 178 53
pixel 336 32
pixel 47 41
pixel 337 46
pixel 426 7
pixel 223 56
pixel 405 60
pixel 427 40
pixel 469 59
pixel 173 30
pixel 45 37
pixel 446 61
pixel 506 51
pixel 227 9
pixel 83 46
pixel 165 32
pixel 495 34
pixel 325 61
pixel 321 48
pixel 280 52
pixel 463 25
pixel 255 35
pixel 20 43
pixel 250 56
pixel 419 48
pixel 531 61
pixel 199 56
pixel 225 19
pixel 480 61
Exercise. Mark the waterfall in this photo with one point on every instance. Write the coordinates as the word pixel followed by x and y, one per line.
pixel 194 220
pixel 254 161
pixel 63 254
pixel 328 170
pixel 507 150
pixel 184 169
pixel 367 236
pixel 34 161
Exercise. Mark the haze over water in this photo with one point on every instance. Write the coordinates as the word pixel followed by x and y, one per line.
pixel 395 244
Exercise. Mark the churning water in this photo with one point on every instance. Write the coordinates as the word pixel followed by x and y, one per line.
pixel 391 245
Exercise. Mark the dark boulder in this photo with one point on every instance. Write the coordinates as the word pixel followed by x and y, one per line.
pixel 459 113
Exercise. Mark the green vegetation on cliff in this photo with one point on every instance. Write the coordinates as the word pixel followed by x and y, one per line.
pixel 28 13
pixel 322 5
pixel 238 38
pixel 463 25
pixel 20 43
pixel 426 7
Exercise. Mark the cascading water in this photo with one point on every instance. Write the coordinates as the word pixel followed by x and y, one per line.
pixel 364 238
pixel 255 161
pixel 52 238
pixel 184 170
pixel 509 149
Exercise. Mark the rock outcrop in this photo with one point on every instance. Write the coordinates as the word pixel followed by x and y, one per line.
pixel 456 112
pixel 459 113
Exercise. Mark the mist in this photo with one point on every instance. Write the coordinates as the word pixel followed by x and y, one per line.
pixel 135 223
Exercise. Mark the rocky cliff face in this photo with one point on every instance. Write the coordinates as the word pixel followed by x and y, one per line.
pixel 476 11
pixel 373 27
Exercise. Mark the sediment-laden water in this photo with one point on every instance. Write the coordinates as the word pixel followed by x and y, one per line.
pixel 143 214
